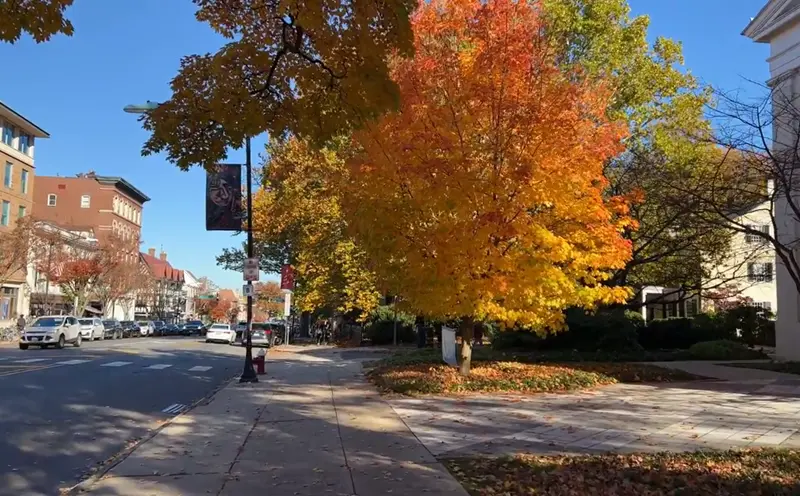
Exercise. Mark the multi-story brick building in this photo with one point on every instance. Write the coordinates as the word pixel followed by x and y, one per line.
pixel 17 143
pixel 105 204
pixel 163 299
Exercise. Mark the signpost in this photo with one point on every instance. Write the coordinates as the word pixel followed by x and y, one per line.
pixel 251 269
pixel 248 290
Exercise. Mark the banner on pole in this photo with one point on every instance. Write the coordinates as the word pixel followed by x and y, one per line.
pixel 287 277
pixel 224 198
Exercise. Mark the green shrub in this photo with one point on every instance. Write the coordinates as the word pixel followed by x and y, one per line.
pixel 379 328
pixel 723 349
pixel 515 340
pixel 682 333
pixel 751 325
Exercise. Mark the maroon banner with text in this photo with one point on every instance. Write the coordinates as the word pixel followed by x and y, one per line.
pixel 287 277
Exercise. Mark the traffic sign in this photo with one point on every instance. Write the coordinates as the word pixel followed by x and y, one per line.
pixel 249 290
pixel 251 269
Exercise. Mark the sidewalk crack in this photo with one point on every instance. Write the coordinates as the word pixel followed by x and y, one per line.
pixel 341 441
pixel 241 448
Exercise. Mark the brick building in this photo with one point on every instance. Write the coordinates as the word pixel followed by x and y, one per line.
pixel 103 203
pixel 164 298
pixel 17 140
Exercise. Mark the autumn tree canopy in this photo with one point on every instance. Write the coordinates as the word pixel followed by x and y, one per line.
pixel 41 19
pixel 484 196
pixel 668 145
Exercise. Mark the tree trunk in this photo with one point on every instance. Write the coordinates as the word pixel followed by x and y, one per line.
pixel 467 333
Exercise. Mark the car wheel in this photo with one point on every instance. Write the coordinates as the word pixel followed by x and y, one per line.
pixel 23 346
pixel 103 336
pixel 77 343
pixel 61 342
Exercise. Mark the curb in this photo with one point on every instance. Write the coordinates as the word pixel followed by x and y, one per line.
pixel 119 457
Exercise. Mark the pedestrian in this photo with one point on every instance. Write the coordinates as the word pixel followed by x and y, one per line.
pixel 318 332
pixel 21 323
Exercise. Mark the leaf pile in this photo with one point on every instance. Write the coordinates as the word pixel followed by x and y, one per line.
pixel 494 377
pixel 750 472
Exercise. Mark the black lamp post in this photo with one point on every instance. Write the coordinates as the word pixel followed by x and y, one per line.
pixel 249 372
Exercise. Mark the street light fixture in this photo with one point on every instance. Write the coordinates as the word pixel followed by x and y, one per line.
pixel 249 372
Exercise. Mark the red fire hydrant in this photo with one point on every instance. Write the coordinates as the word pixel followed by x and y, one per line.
pixel 258 361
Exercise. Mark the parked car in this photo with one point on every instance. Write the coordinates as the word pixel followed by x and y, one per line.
pixel 266 334
pixel 158 327
pixel 221 333
pixel 92 328
pixel 56 330
pixel 171 330
pixel 194 327
pixel 146 328
pixel 129 329
pixel 112 329
pixel 241 327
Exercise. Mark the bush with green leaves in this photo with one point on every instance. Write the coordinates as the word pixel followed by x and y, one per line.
pixel 723 349
pixel 753 326
pixel 682 333
pixel 379 328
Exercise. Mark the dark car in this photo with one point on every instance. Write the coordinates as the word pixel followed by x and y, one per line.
pixel 171 330
pixel 194 328
pixel 112 329
pixel 158 327
pixel 129 329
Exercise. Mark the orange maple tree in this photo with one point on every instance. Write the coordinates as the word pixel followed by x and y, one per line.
pixel 483 197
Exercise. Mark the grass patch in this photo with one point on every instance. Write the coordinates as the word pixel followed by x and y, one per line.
pixel 746 472
pixel 514 377
pixel 785 367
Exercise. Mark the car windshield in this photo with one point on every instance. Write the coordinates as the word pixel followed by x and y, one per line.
pixel 142 323
pixel 159 322
pixel 86 321
pixel 220 326
pixel 260 327
pixel 195 322
pixel 126 322
pixel 109 323
pixel 48 322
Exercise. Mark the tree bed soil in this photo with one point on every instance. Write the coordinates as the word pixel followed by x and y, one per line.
pixel 736 472
pixel 514 377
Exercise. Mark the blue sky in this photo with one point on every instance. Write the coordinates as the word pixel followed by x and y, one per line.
pixel 126 51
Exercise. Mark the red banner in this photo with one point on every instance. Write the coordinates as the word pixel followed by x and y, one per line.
pixel 287 277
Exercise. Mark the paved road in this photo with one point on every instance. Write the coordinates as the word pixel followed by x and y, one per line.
pixel 64 411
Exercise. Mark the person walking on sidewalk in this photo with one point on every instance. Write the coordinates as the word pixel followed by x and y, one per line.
pixel 21 323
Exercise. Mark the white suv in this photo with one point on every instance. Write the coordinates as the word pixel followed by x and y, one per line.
pixel 92 328
pixel 56 330
pixel 146 327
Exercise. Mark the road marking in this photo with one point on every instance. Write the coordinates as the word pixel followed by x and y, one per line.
pixel 116 364
pixel 199 368
pixel 175 408
pixel 32 360
pixel 4 359
pixel 72 362
pixel 159 366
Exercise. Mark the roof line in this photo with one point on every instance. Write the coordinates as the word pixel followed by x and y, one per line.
pixel 133 189
pixel 44 134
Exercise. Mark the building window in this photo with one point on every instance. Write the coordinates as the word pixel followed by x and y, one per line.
pixel 763 305
pixel 21 212
pixel 23 143
pixel 6 212
pixel 8 303
pixel 691 308
pixel 9 171
pixel 24 181
pixel 85 201
pixel 8 134
pixel 51 200
pixel 751 238
pixel 759 272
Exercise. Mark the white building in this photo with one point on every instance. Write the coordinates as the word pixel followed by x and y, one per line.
pixel 191 290
pixel 778 24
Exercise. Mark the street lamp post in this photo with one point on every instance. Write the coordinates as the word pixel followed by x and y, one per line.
pixel 249 372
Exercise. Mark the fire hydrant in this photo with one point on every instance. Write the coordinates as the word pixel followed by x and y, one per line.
pixel 258 361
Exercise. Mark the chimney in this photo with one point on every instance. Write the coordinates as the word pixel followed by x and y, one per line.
pixel 151 252
pixel 163 256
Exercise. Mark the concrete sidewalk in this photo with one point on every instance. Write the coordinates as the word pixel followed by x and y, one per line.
pixel 310 427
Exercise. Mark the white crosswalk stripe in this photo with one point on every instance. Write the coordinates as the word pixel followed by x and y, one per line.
pixel 4 359
pixel 32 360
pixel 175 408
pixel 116 364
pixel 72 362
pixel 159 366
pixel 199 368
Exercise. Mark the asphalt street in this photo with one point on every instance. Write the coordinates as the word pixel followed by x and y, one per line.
pixel 64 412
